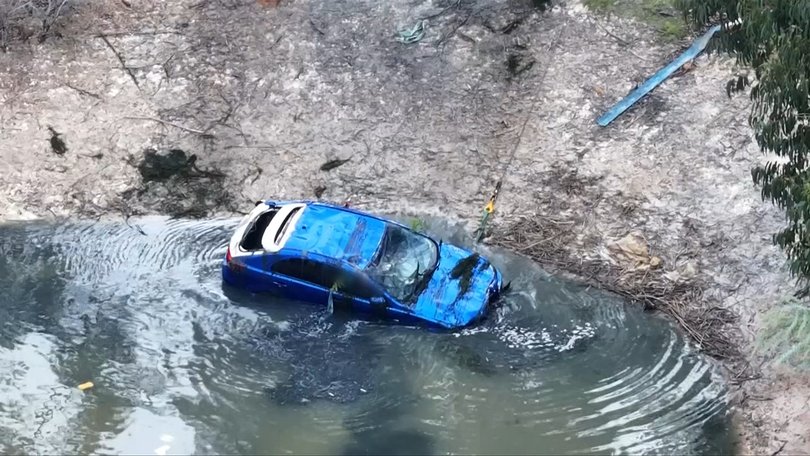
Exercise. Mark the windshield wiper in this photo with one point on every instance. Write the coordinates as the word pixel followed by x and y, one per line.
pixel 422 281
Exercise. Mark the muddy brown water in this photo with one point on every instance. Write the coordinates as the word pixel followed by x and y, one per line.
pixel 182 364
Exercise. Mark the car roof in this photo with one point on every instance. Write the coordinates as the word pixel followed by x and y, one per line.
pixel 335 233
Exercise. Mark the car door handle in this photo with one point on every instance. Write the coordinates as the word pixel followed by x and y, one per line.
pixel 279 284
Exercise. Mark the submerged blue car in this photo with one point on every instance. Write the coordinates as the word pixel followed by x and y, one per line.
pixel 321 253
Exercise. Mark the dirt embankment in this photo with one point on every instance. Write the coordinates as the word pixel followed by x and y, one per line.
pixel 200 107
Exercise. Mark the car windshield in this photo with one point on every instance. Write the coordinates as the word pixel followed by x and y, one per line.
pixel 405 261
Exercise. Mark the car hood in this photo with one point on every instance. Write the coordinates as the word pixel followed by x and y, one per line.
pixel 459 288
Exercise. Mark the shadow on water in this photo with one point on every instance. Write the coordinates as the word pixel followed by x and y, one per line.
pixel 386 436
pixel 184 364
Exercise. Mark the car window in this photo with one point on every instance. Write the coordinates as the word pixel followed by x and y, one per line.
pixel 314 272
pixel 325 276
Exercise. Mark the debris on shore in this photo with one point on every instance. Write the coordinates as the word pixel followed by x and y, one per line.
pixel 332 164
pixel 58 145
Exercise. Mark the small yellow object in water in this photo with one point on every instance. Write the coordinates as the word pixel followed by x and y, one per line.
pixel 86 385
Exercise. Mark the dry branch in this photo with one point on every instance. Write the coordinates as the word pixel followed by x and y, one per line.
pixel 140 33
pixel 170 124
pixel 121 59
pixel 82 91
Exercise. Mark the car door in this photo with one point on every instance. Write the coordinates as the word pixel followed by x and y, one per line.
pixel 303 279
pixel 362 294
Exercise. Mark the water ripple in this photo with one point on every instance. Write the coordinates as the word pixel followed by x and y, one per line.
pixel 180 361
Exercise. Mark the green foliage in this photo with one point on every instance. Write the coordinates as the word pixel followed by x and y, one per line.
pixel 661 14
pixel 672 30
pixel 418 224
pixel 600 5
pixel 786 334
pixel 774 39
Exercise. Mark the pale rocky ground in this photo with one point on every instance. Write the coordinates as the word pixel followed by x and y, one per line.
pixel 428 127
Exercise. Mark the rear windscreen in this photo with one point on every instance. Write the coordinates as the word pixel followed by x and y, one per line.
pixel 284 224
pixel 253 236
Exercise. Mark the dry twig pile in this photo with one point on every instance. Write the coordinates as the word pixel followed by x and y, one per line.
pixel 21 20
pixel 547 241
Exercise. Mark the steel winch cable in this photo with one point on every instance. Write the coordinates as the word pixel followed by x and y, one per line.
pixel 489 208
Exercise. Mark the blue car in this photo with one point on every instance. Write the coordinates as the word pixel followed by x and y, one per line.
pixel 327 254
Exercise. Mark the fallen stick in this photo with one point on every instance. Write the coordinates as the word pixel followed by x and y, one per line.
pixel 621 41
pixel 140 33
pixel 171 124
pixel 121 59
pixel 83 92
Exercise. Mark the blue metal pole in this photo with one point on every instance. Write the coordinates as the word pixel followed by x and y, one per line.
pixel 697 47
